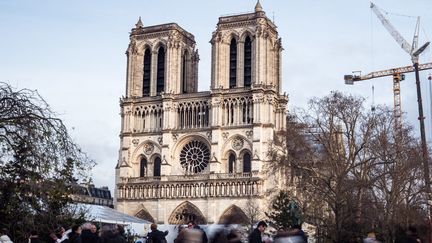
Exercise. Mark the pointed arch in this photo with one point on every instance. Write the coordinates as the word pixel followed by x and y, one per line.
pixel 157 166
pixel 231 162
pixel 160 76
pixel 146 72
pixel 233 63
pixel 185 71
pixel 247 68
pixel 247 162
pixel 144 214
pixel 186 212
pixel 143 166
pixel 233 215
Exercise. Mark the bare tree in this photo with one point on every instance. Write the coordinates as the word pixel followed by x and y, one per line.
pixel 253 211
pixel 38 164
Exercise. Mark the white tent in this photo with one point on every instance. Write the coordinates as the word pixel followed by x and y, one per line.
pixel 107 215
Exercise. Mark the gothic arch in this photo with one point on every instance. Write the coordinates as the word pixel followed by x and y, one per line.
pixel 142 46
pixel 233 215
pixel 230 35
pixel 186 212
pixel 184 140
pixel 246 33
pixel 139 150
pixel 227 146
pixel 144 214
pixel 158 44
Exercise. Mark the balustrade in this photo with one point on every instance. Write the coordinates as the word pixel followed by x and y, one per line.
pixel 211 185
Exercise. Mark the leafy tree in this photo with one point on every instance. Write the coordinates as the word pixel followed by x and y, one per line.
pixel 39 163
pixel 285 212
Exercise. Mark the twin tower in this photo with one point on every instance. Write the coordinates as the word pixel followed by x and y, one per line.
pixel 188 155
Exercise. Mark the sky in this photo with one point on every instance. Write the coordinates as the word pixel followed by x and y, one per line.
pixel 73 54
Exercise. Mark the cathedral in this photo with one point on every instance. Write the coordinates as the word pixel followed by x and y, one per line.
pixel 200 155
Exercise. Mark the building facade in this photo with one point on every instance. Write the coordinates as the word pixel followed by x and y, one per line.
pixel 189 155
pixel 89 194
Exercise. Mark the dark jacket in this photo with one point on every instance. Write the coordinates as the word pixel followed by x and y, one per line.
pixel 255 236
pixel 204 235
pixel 73 238
pixel 88 237
pixel 157 236
pixel 35 240
pixel 111 237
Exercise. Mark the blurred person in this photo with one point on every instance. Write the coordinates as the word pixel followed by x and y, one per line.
pixel 34 237
pixel 256 235
pixel 156 236
pixel 234 236
pixel 193 225
pixel 75 235
pixel 89 233
pixel 371 238
pixel 411 235
pixel 181 234
pixel 4 238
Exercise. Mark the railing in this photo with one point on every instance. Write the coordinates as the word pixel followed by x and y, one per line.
pixel 197 177
pixel 245 187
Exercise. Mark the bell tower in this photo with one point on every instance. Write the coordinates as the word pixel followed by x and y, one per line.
pixel 161 59
pixel 246 51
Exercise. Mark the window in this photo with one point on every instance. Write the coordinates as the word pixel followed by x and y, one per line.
pixel 147 71
pixel 247 62
pixel 231 163
pixel 160 71
pixel 233 64
pixel 143 167
pixel 247 163
pixel 184 74
pixel 157 167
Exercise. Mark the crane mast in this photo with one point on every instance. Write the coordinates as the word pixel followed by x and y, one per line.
pixel 414 53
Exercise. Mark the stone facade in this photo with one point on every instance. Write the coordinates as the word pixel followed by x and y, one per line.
pixel 200 155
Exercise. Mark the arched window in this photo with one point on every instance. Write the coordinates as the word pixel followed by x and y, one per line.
pixel 233 64
pixel 184 72
pixel 160 71
pixel 231 163
pixel 147 71
pixel 157 167
pixel 247 62
pixel 143 167
pixel 247 163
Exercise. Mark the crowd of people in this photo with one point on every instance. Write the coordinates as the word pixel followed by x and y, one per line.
pixel 86 233
pixel 192 233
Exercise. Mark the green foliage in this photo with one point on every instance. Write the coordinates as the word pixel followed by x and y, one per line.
pixel 285 211
pixel 39 163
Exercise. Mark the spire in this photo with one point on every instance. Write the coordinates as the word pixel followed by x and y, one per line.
pixel 258 7
pixel 139 24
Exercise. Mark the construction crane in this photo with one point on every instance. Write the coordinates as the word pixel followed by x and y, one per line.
pixel 414 53
pixel 398 76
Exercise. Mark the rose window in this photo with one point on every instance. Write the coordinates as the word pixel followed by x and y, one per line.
pixel 195 156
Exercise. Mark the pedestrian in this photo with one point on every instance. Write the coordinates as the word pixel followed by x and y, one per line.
pixel 193 225
pixel 256 235
pixel 34 237
pixel 89 233
pixel 411 235
pixel 371 238
pixel 156 236
pixel 4 238
pixel 234 236
pixel 181 236
pixel 75 235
